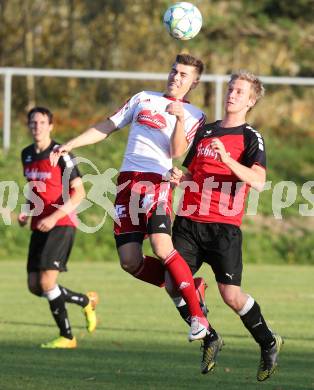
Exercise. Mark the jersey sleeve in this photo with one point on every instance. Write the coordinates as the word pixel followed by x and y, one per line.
pixel 192 152
pixel 68 167
pixel 24 154
pixel 124 115
pixel 254 152
pixel 192 124
pixel 22 161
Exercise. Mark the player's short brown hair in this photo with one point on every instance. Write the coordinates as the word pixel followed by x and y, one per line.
pixel 187 59
pixel 256 84
pixel 41 110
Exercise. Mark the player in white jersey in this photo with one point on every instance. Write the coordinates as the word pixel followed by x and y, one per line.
pixel 162 125
pixel 149 148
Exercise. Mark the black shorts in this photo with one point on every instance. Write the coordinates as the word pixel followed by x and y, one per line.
pixel 51 250
pixel 217 244
pixel 158 222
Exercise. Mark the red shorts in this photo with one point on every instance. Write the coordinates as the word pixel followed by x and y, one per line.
pixel 140 197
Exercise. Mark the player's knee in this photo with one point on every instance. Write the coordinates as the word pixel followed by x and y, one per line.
pixel 35 289
pixel 46 284
pixel 231 299
pixel 129 264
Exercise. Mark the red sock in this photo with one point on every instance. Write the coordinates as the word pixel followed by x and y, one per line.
pixel 183 280
pixel 151 271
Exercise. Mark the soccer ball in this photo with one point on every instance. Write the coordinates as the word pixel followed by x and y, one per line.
pixel 183 20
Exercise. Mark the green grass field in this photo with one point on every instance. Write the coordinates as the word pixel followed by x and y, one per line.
pixel 142 344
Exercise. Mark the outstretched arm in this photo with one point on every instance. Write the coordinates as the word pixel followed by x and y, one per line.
pixel 92 135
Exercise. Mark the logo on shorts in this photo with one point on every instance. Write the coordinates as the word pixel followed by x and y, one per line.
pixel 162 226
pixel 230 276
pixel 120 211
pixel 57 263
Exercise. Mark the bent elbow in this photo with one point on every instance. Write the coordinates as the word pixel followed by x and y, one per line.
pixel 258 186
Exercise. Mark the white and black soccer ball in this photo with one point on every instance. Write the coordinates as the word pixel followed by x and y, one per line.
pixel 183 20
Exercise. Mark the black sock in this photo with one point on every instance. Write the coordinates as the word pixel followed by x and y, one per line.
pixel 185 314
pixel 74 297
pixel 256 325
pixel 59 312
pixel 212 335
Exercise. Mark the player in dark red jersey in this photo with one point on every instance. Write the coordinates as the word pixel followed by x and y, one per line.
pixel 53 226
pixel 226 159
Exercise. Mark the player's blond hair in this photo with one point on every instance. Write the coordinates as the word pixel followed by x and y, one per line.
pixel 256 84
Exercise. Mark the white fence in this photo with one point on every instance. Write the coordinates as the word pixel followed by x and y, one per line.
pixel 8 73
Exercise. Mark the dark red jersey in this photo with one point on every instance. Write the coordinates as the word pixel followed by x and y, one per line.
pixel 50 184
pixel 215 193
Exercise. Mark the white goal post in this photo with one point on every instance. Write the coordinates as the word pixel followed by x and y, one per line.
pixel 219 80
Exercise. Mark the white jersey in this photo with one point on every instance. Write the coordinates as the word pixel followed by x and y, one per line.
pixel 148 147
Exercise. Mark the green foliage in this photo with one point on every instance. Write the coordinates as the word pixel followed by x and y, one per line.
pixel 268 37
pixel 265 247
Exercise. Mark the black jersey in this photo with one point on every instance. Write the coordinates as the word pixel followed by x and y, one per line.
pixel 46 182
pixel 217 195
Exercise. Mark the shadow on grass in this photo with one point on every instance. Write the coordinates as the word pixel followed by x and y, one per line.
pixel 99 327
pixel 139 330
pixel 130 365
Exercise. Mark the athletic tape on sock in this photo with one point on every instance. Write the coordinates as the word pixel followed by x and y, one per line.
pixel 54 293
pixel 247 306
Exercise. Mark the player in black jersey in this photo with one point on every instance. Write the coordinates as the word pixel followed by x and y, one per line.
pixel 53 226
pixel 226 158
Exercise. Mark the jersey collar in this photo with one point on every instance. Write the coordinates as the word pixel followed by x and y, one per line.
pixel 175 100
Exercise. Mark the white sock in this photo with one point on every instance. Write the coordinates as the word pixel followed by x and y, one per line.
pixel 53 293
pixel 247 306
